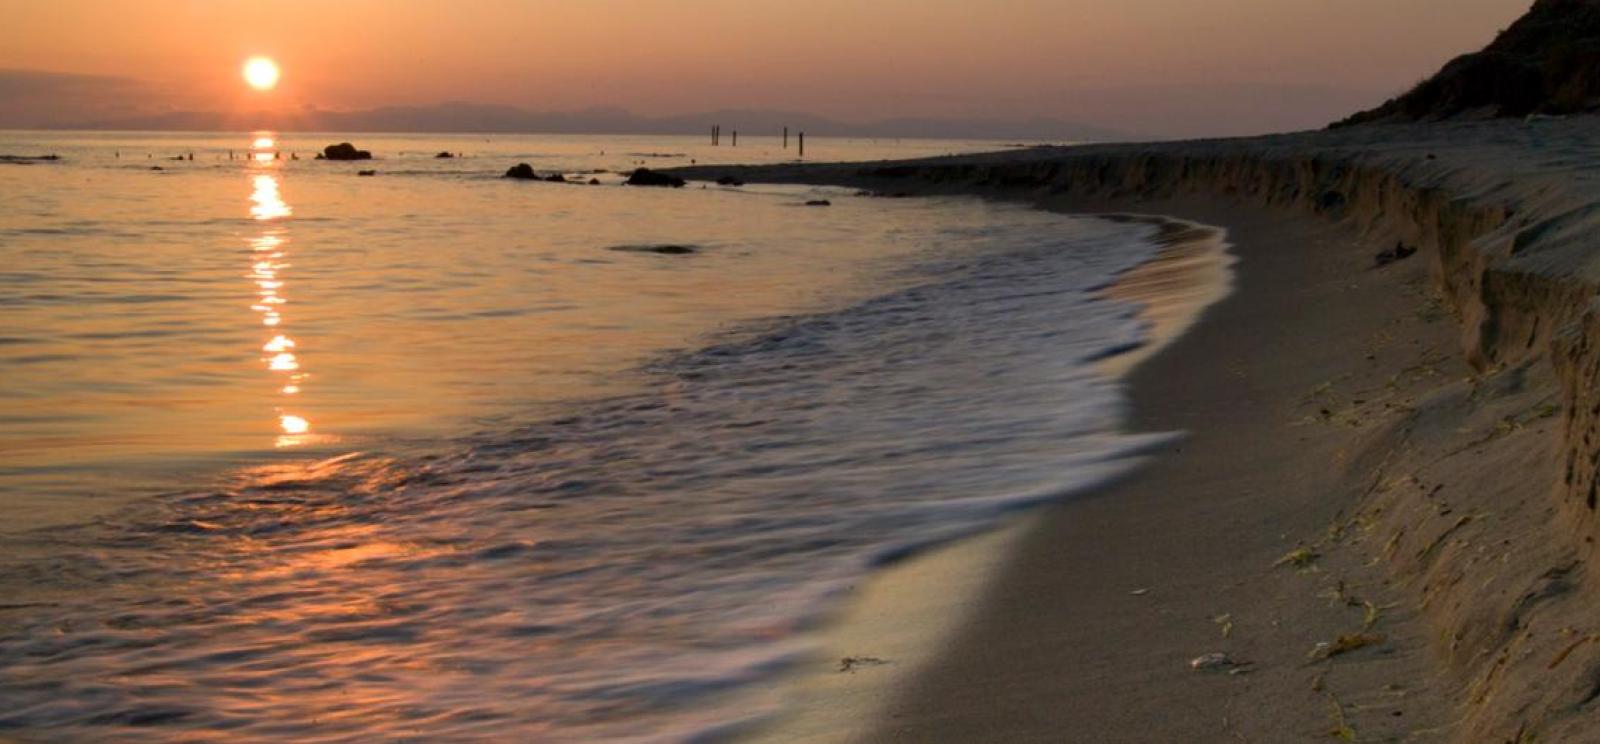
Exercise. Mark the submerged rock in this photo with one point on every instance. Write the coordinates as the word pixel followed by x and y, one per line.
pixel 647 177
pixel 523 171
pixel 444 155
pixel 367 173
pixel 665 249
pixel 344 151
pixel 594 182
pixel 819 203
pixel 556 178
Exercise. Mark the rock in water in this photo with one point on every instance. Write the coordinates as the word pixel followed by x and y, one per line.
pixel 665 249
pixel 729 181
pixel 556 178
pixel 444 155
pixel 367 173
pixel 344 151
pixel 647 177
pixel 523 171
pixel 819 203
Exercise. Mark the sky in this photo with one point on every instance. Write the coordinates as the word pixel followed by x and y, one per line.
pixel 1163 67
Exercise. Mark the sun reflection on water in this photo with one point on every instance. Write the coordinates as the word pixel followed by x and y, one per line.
pixel 269 260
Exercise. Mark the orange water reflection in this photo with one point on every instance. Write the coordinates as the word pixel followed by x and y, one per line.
pixel 268 263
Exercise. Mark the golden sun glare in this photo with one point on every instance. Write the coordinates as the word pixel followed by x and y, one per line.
pixel 261 73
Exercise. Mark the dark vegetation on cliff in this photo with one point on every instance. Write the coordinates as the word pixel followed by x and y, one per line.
pixel 1548 62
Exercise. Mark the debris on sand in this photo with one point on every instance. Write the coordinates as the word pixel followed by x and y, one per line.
pixel 1399 252
pixel 851 663
pixel 1301 558
pixel 1344 644
pixel 1220 662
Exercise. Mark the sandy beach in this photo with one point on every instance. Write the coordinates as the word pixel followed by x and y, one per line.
pixel 854 373
pixel 1378 514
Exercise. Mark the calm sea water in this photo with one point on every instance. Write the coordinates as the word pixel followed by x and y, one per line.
pixel 293 454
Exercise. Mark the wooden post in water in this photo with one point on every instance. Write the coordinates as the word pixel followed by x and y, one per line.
pixel 735 138
pixel 802 144
pixel 785 138
pixel 713 134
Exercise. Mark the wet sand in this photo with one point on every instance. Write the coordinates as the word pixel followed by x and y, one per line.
pixel 1088 632
pixel 1078 623
pixel 895 625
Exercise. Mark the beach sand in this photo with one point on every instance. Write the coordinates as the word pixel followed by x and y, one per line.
pixel 1088 632
pixel 903 615
pixel 1416 435
pixel 1079 623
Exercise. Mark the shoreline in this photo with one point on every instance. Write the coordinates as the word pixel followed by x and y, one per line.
pixel 1384 513
pixel 1105 600
pixel 889 628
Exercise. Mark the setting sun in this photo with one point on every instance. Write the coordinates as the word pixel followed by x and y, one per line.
pixel 261 73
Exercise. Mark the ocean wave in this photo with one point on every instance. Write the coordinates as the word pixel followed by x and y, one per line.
pixel 609 574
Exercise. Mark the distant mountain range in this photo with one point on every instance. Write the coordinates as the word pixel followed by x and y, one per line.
pixel 475 117
pixel 38 99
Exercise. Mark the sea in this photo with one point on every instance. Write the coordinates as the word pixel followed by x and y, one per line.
pixel 289 453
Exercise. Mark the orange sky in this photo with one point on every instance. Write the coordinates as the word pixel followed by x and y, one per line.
pixel 849 59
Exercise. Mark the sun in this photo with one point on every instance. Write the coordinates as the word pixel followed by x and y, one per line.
pixel 261 73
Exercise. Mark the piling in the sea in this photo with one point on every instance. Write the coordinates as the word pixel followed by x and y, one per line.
pixel 785 138
pixel 735 138
pixel 802 144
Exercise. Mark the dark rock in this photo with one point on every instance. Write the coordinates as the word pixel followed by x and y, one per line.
pixel 1399 252
pixel 523 171
pixel 344 151
pixel 156 167
pixel 647 177
pixel 729 181
pixel 444 155
pixel 556 178
pixel 594 182
pixel 1547 62
pixel 367 173
pixel 665 249
pixel 819 203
